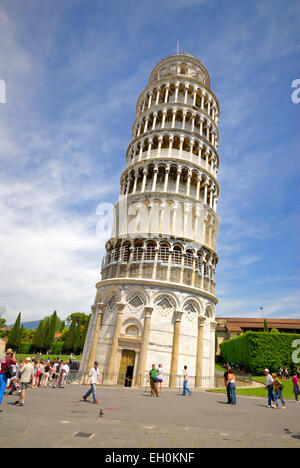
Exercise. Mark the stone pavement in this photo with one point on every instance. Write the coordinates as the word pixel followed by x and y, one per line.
pixel 52 418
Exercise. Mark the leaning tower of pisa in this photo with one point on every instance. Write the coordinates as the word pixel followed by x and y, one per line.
pixel 156 300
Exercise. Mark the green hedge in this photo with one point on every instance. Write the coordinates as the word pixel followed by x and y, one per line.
pixel 25 348
pixel 57 348
pixel 260 350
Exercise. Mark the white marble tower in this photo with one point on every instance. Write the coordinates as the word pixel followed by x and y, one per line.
pixel 156 300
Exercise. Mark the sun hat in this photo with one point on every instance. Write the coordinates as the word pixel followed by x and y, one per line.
pixel 9 351
pixel 28 359
pixel 267 370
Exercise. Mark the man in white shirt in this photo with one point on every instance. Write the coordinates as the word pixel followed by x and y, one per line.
pixel 65 372
pixel 93 377
pixel 185 382
pixel 269 387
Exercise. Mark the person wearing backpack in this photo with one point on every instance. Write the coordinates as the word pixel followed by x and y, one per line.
pixel 6 371
pixel 278 387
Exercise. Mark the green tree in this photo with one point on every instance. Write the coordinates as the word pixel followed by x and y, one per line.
pixel 77 339
pixel 50 333
pixel 266 329
pixel 70 337
pixel 15 335
pixel 2 323
pixel 274 330
pixel 38 336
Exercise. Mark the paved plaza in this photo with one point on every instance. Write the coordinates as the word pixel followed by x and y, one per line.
pixel 53 417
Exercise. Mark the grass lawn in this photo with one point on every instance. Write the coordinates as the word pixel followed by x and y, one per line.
pixel 45 356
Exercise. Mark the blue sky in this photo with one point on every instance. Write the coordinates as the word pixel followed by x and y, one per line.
pixel 73 71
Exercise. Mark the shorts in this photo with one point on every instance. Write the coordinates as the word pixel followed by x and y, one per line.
pixel 24 385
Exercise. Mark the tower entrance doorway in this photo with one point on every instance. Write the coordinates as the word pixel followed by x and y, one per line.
pixel 126 367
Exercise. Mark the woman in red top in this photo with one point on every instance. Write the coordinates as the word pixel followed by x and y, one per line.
pixel 296 388
pixel 9 360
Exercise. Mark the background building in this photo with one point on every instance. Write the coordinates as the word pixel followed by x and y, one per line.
pixel 156 301
pixel 230 327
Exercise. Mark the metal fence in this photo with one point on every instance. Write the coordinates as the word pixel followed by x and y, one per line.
pixel 176 381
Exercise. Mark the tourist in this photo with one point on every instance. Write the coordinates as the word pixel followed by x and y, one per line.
pixel 226 385
pixel 27 373
pixel 46 375
pixel 57 374
pixel 269 387
pixel 65 372
pixel 160 376
pixel 153 380
pixel 231 386
pixel 278 387
pixel 6 371
pixel 93 377
pixel 185 382
pixel 42 370
pixel 286 373
pixel 281 373
pixel 296 388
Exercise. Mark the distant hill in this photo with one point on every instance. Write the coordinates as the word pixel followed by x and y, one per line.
pixel 29 325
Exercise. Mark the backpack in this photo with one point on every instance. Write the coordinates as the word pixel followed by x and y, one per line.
pixel 8 371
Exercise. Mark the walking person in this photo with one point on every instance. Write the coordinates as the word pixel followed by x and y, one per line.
pixel 6 371
pixel 27 372
pixel 278 388
pixel 160 376
pixel 269 387
pixel 296 388
pixel 153 381
pixel 93 377
pixel 227 386
pixel 185 382
pixel 286 373
pixel 231 386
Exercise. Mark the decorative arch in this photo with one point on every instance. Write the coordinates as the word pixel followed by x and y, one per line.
pixel 209 311
pixel 165 304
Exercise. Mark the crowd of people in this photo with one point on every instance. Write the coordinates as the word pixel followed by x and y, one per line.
pixel 18 376
pixel 274 385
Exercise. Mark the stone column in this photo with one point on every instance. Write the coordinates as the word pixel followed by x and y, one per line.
pixel 136 173
pixel 160 139
pixel 98 321
pixel 183 120
pixel 111 368
pixel 167 93
pixel 175 349
pixel 174 117
pixel 199 358
pixel 176 92
pixel 213 326
pixel 179 169
pixel 149 147
pixel 164 118
pixel 154 120
pixel 157 97
pixel 188 185
pixel 144 346
pixel 155 170
pixel 144 180
pixel 170 145
pixel 166 178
